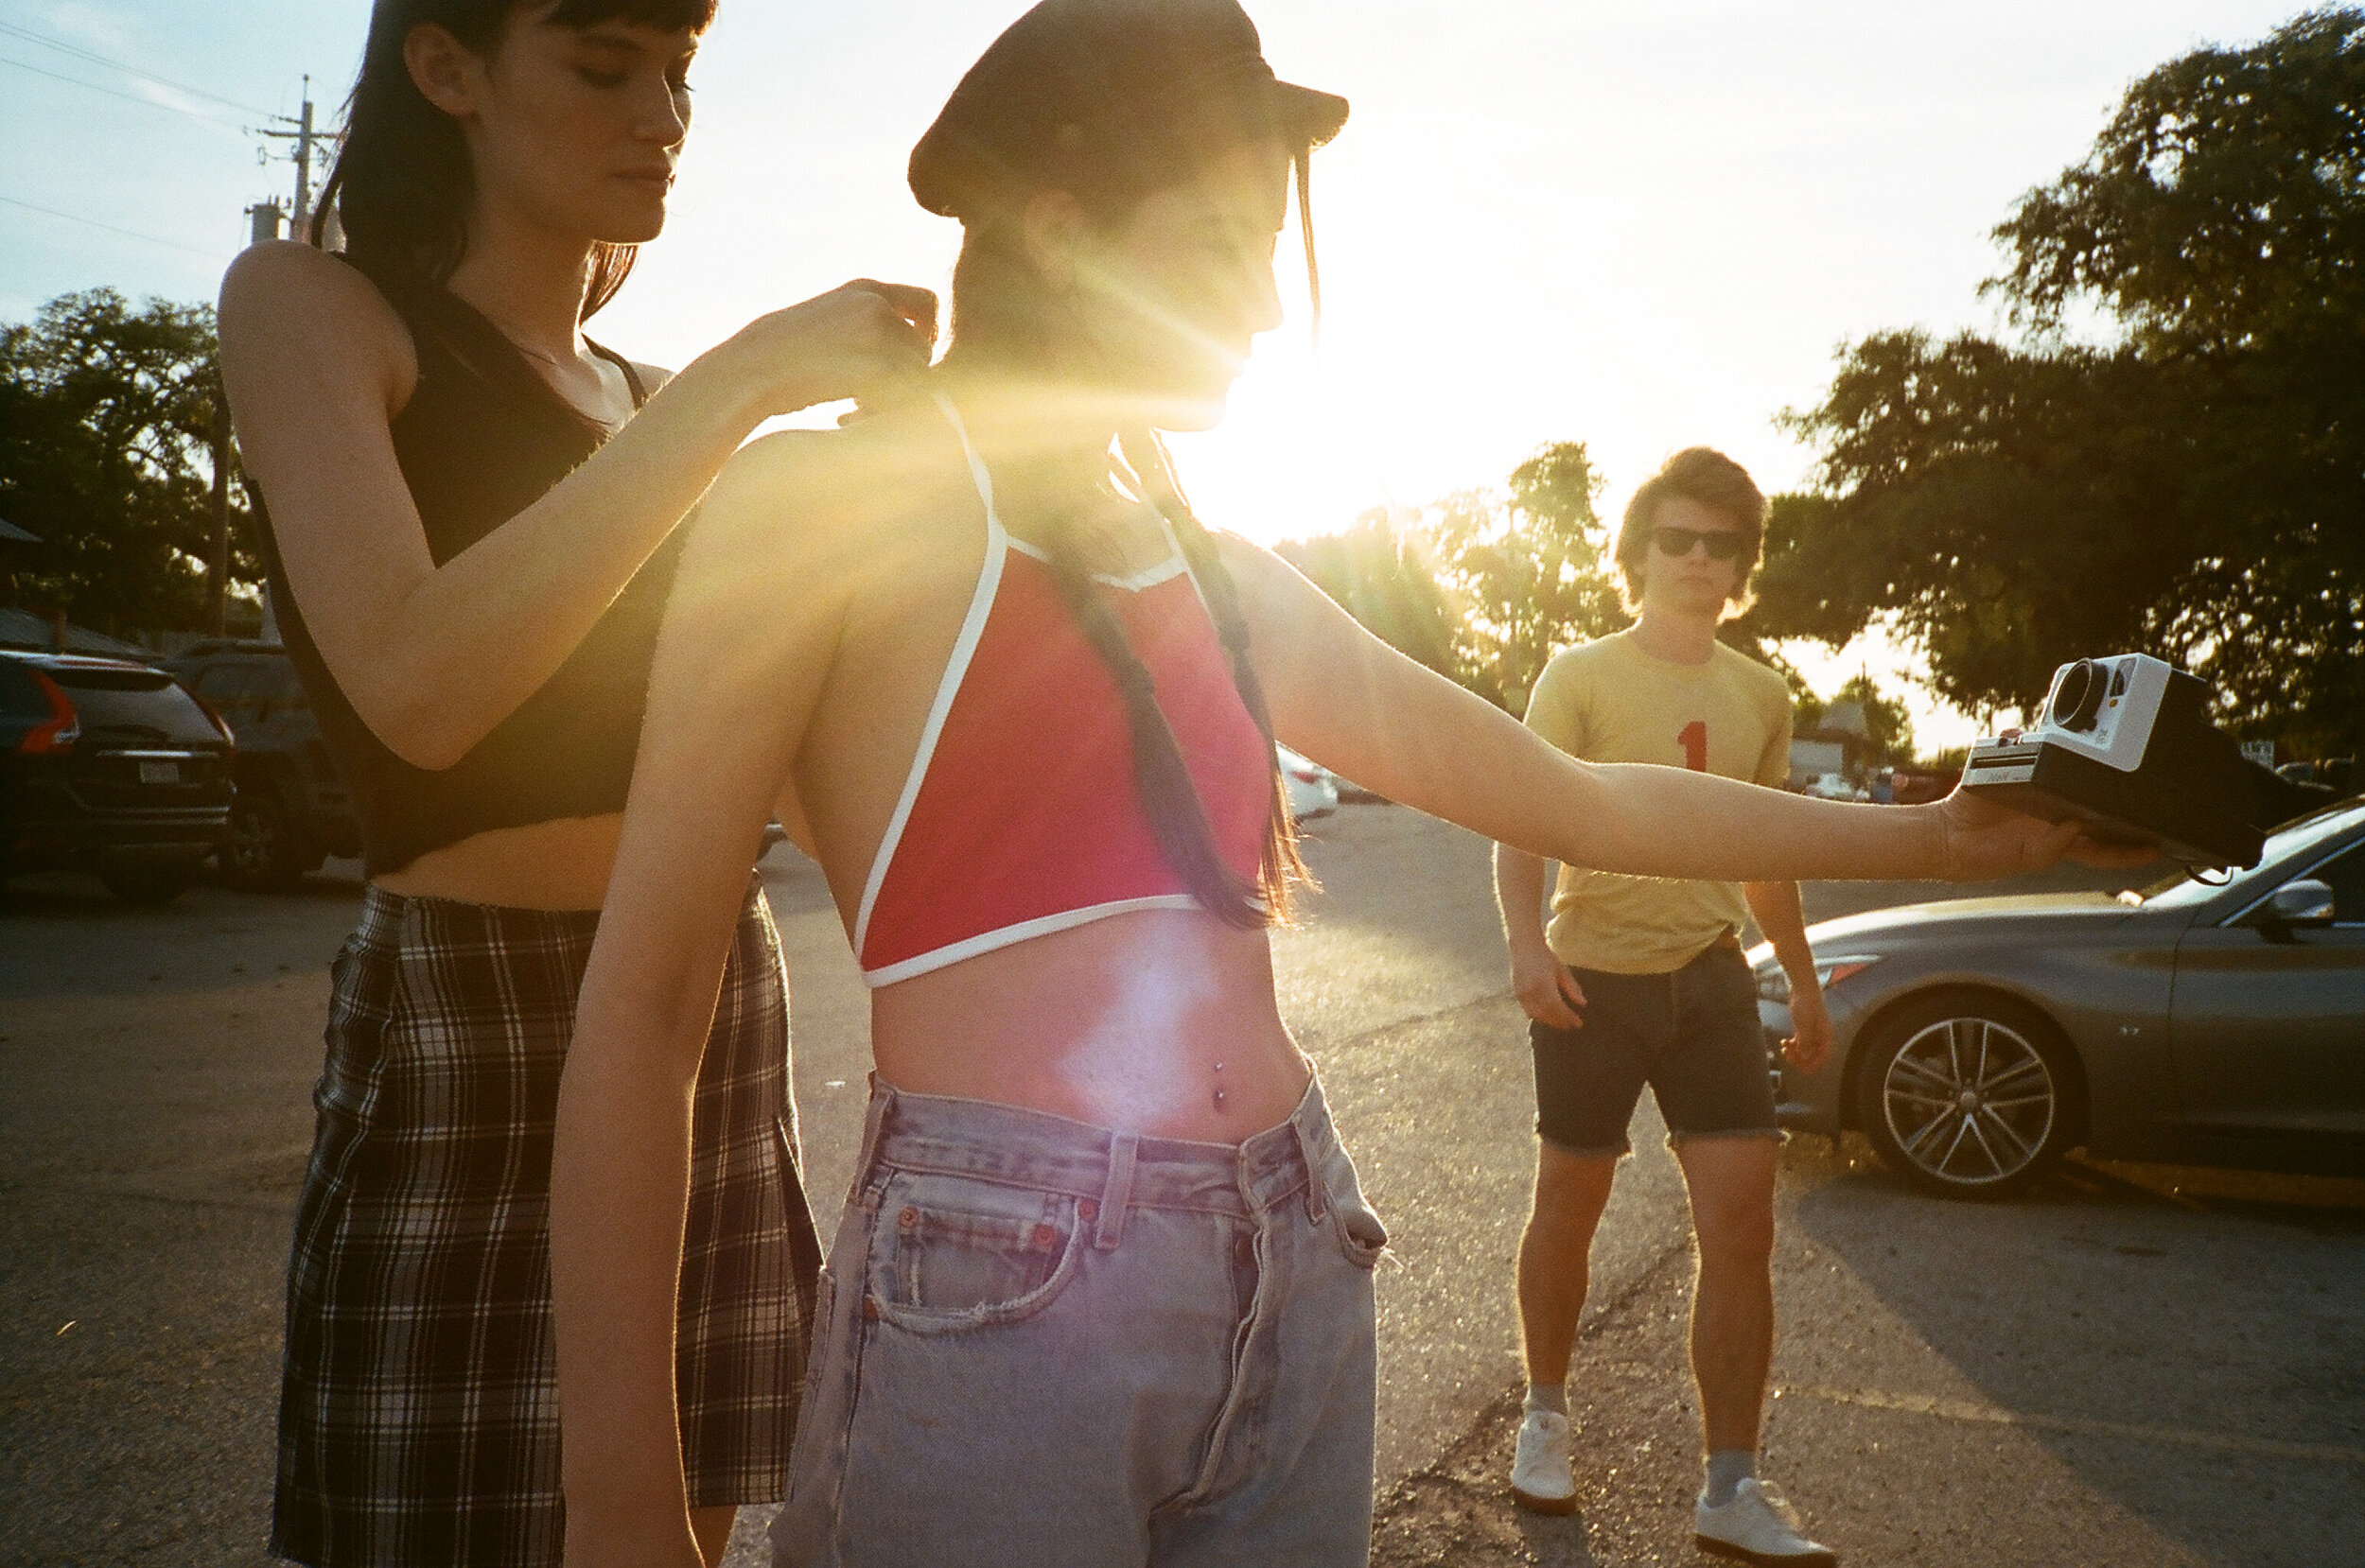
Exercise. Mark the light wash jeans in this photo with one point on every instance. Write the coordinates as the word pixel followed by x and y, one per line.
pixel 1049 1345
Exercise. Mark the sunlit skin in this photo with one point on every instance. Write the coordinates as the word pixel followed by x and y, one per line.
pixel 573 135
pixel 1163 311
pixel 794 675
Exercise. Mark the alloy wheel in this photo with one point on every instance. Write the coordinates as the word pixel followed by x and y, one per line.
pixel 255 847
pixel 1970 1102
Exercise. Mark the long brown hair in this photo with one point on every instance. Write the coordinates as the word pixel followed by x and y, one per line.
pixel 1112 101
pixel 402 181
pixel 1002 312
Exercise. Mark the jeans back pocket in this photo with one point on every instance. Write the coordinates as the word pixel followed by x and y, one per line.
pixel 955 1252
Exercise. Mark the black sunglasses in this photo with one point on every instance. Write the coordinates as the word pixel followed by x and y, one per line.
pixel 1724 544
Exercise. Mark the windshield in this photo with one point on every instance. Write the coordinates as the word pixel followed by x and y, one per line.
pixel 2294 840
pixel 141 702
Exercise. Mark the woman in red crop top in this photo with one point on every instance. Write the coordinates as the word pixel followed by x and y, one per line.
pixel 1102 1293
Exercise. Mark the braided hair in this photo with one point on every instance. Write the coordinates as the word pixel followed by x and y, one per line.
pixel 1162 777
pixel 1110 100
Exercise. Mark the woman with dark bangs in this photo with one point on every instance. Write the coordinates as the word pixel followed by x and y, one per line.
pixel 470 539
pixel 1102 1293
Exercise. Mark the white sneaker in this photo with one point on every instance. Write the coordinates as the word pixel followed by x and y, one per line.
pixel 1540 1481
pixel 1758 1525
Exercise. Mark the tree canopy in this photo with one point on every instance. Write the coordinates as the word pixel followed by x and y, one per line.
pixel 1480 586
pixel 106 413
pixel 2186 477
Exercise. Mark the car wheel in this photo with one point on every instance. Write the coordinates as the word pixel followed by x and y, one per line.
pixel 1967 1095
pixel 151 885
pixel 265 854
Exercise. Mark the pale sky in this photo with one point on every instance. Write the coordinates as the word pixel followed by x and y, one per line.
pixel 1641 226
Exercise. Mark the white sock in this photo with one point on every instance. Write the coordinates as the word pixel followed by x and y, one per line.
pixel 1549 1396
pixel 1728 1468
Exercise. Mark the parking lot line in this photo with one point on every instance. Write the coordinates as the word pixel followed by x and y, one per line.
pixel 1964 1410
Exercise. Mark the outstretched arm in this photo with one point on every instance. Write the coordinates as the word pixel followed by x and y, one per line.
pixel 1357 706
pixel 740 663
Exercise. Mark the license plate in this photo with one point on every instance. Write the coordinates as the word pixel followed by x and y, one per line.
pixel 160 772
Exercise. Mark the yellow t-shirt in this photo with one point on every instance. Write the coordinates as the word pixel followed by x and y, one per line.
pixel 1608 700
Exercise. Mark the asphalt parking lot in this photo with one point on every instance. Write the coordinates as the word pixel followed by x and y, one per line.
pixel 2133 1366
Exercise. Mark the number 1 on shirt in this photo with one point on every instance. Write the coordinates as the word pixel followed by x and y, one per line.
pixel 1694 740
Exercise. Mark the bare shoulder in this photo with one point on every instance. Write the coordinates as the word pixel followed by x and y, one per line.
pixel 820 475
pixel 652 377
pixel 285 286
pixel 289 300
pixel 768 496
pixel 832 509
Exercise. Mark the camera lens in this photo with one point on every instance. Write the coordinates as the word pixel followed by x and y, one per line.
pixel 2077 700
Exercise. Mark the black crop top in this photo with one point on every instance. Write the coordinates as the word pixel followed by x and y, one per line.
pixel 482 438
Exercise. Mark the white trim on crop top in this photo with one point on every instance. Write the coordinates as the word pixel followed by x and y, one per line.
pixel 998 545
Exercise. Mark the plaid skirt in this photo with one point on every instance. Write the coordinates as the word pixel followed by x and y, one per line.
pixel 418 1419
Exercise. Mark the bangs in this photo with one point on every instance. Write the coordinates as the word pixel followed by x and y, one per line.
pixel 665 16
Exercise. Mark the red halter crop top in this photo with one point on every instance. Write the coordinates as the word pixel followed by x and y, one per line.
pixel 1020 816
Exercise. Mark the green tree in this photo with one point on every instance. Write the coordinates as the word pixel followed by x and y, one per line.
pixel 1382 578
pixel 106 415
pixel 1888 728
pixel 2193 482
pixel 1530 571
pixel 1481 587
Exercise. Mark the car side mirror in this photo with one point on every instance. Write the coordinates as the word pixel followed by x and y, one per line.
pixel 2302 905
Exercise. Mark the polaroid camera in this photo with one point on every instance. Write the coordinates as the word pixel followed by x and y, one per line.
pixel 2126 746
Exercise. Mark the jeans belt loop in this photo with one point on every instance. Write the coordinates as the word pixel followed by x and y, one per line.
pixel 1116 1196
pixel 874 1124
pixel 1317 1192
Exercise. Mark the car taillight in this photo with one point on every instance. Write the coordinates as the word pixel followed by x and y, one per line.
pixel 56 735
pixel 219 722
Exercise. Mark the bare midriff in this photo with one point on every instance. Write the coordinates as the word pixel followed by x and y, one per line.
pixel 549 865
pixel 1160 1022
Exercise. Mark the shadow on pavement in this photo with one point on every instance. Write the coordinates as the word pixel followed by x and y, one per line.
pixel 2190 1343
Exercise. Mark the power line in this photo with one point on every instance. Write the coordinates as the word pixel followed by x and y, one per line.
pixel 128 98
pixel 115 229
pixel 79 53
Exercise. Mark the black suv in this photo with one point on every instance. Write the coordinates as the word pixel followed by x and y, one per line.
pixel 109 766
pixel 292 811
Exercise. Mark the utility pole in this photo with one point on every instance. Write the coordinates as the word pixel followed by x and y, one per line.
pixel 218 566
pixel 306 138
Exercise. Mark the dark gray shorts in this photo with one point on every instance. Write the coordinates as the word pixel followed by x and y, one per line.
pixel 1691 1034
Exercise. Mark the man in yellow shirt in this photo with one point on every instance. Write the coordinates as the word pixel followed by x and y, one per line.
pixel 1642 980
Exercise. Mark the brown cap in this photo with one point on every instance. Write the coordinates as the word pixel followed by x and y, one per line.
pixel 1073 82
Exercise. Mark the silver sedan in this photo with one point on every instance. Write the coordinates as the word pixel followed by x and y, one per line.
pixel 2200 1021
